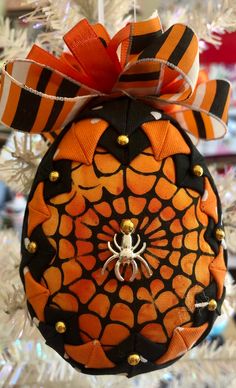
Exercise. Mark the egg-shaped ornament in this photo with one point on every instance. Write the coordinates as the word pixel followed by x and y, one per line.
pixel 123 252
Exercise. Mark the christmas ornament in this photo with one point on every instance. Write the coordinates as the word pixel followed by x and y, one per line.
pixel 123 252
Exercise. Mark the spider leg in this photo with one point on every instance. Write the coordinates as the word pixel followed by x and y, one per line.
pixel 137 243
pixel 141 250
pixel 116 244
pixel 107 262
pixel 111 249
pixel 135 270
pixel 117 271
pixel 145 264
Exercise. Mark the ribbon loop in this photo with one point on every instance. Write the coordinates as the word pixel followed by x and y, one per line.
pixel 43 93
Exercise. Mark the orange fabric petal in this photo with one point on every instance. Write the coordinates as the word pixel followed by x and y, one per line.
pixel 87 261
pixel 66 225
pixel 167 214
pixel 84 289
pixel 71 271
pixel 189 219
pixel 202 270
pixel 154 332
pixel 183 339
pixel 111 286
pixel 169 169
pixel 99 277
pixel 122 313
pixel 36 294
pixel 114 184
pixel 187 263
pixel 106 163
pixel 154 205
pixel 136 205
pixel 114 334
pixel 126 294
pixel 180 284
pixel 90 354
pixel 174 258
pixel 166 300
pixel 104 209
pixel 145 163
pixel 51 224
pixel 156 286
pixel 38 210
pixel 100 304
pixel 66 249
pixel 147 313
pixel 144 294
pixel 176 227
pixel 190 297
pixel 166 272
pixel 80 141
pixel 53 279
pixel 81 230
pixel 66 302
pixel 181 200
pixel 90 324
pixel 139 184
pixel 191 241
pixel 176 317
pixel 161 135
pixel 155 224
pixel 119 205
pixel 165 189
pixel 76 205
pixel 217 269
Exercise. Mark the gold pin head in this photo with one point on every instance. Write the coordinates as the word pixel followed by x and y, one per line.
pixel 122 140
pixel 60 327
pixel 220 234
pixel 198 170
pixel 134 359
pixel 32 247
pixel 54 176
pixel 127 226
pixel 212 306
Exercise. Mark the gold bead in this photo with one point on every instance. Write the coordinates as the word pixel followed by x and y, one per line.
pixel 60 327
pixel 220 234
pixel 127 226
pixel 212 306
pixel 32 247
pixel 123 140
pixel 54 176
pixel 198 170
pixel 134 359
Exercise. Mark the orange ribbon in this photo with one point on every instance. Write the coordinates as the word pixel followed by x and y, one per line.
pixel 160 68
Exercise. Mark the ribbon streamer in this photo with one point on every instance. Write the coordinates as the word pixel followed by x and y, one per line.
pixel 43 93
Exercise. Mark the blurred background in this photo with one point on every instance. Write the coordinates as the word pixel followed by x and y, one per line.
pixel 25 362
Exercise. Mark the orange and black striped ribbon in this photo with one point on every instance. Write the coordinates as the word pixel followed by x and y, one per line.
pixel 42 93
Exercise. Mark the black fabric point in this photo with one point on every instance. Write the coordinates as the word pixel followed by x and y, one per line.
pixel 39 261
pixel 63 185
pixel 124 114
pixel 71 335
pixel 125 154
pixel 136 343
pixel 53 338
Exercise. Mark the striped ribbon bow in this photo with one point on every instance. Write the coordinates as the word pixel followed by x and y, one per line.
pixel 43 93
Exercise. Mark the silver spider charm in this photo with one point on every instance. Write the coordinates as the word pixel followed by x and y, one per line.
pixel 126 255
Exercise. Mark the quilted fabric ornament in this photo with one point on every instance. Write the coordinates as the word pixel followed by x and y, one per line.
pixel 123 254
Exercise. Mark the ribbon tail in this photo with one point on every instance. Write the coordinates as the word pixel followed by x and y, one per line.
pixel 205 114
pixel 35 98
